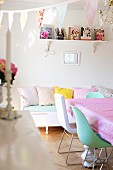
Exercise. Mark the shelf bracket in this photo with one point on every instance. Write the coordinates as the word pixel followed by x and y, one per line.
pixel 48 46
pixel 94 47
pixel 47 49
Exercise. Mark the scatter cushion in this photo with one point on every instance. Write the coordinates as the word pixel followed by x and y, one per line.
pixel 46 95
pixel 81 92
pixel 29 95
pixel 66 92
pixel 107 92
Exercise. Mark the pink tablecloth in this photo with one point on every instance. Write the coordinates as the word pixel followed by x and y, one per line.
pixel 99 113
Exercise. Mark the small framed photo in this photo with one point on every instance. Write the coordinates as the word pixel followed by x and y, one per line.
pixel 46 33
pixel 71 58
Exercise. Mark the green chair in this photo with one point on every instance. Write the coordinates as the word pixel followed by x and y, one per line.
pixel 89 138
pixel 94 95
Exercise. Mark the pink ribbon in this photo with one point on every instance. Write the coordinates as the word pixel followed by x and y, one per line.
pixel 90 7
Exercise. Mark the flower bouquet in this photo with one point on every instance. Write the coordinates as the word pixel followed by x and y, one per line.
pixel 14 70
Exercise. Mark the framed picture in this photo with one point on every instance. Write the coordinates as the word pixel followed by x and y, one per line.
pixel 73 33
pixel 46 33
pixel 99 34
pixel 59 34
pixel 86 33
pixel 71 58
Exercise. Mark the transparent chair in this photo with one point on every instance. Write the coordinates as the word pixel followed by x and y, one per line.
pixel 69 128
pixel 89 138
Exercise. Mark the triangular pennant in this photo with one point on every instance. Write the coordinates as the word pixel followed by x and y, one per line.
pixel 40 14
pixel 61 10
pixel 47 13
pixel 23 19
pixel 90 7
pixel 1 16
pixel 10 18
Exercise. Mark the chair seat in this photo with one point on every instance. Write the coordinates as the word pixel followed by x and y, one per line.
pixel 102 138
pixel 73 125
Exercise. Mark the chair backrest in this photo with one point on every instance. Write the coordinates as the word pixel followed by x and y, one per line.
pixel 84 131
pixel 62 112
pixel 94 95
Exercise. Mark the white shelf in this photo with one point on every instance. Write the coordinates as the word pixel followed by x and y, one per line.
pixel 94 42
pixel 55 40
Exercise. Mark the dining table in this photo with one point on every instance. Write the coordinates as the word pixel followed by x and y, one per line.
pixel 98 112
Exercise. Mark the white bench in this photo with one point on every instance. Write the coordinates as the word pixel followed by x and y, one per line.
pixel 43 116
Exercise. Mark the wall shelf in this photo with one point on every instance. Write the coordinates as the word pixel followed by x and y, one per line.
pixel 94 42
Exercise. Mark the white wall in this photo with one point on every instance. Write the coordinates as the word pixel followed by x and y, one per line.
pixel 36 69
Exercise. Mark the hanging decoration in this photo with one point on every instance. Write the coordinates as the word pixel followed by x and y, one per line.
pixel 47 13
pixel 106 14
pixel 10 18
pixel 61 10
pixel 40 14
pixel 1 16
pixel 90 7
pixel 23 19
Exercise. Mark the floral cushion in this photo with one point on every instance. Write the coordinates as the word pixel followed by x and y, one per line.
pixel 107 92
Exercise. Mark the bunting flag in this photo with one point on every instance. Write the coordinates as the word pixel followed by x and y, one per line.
pixel 10 18
pixel 1 16
pixel 90 7
pixel 61 10
pixel 47 13
pixel 23 19
pixel 40 14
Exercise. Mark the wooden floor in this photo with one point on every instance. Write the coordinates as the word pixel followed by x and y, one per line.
pixel 52 140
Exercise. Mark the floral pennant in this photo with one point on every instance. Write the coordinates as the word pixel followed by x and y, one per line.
pixel 90 7
pixel 61 10
pixel 23 19
pixel 40 14
pixel 10 18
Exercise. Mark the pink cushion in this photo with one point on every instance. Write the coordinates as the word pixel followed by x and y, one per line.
pixel 29 96
pixel 81 92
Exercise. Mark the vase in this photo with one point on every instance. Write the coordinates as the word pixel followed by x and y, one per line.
pixel 1 94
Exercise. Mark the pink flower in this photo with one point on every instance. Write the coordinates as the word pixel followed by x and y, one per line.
pixel 14 70
pixel 44 34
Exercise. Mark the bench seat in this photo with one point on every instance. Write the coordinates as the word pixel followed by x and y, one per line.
pixel 43 116
pixel 38 108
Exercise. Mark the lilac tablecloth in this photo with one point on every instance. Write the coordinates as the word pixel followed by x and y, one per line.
pixel 99 113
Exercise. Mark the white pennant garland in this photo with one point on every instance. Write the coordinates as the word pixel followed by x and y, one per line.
pixel 10 17
pixel 23 19
pixel 1 16
pixel 61 10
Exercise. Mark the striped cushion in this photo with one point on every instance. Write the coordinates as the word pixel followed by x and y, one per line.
pixel 66 92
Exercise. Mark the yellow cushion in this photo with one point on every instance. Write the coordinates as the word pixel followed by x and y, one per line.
pixel 67 93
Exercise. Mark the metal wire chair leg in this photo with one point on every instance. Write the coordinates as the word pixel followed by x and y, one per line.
pixel 106 159
pixel 69 149
pixel 68 152
pixel 61 141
